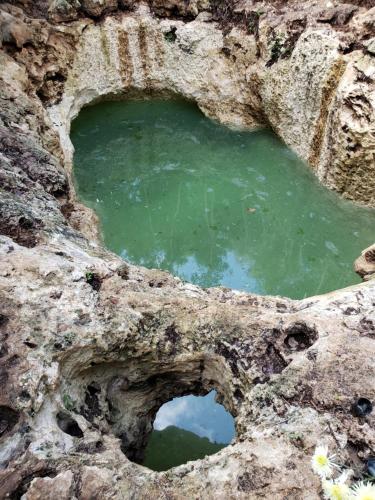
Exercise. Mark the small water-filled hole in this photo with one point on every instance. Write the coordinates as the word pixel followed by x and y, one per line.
pixel 176 191
pixel 188 428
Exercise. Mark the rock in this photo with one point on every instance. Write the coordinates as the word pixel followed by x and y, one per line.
pixel 365 264
pixel 338 15
pixel 36 9
pixel 14 31
pixel 97 8
pixel 370 46
pixel 68 10
pixel 182 8
pixel 90 346
pixel 59 487
pixel 97 483
pixel 127 4
pixel 63 10
pixel 364 24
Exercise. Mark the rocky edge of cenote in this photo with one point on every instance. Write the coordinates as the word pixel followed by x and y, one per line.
pixel 92 346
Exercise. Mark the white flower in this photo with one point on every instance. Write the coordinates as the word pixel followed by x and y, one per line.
pixel 321 463
pixel 336 489
pixel 363 491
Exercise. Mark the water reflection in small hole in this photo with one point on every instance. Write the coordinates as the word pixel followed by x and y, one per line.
pixel 188 428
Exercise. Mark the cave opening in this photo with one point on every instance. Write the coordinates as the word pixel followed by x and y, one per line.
pixel 164 412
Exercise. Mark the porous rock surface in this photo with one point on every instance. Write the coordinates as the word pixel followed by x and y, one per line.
pixel 91 346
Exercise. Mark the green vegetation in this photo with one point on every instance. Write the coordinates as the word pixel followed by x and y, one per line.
pixel 173 446
pixel 68 402
pixel 170 36
pixel 89 277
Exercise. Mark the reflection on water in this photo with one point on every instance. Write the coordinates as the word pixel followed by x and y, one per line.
pixel 201 415
pixel 216 207
pixel 188 428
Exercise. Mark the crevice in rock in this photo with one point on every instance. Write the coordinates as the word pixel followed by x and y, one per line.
pixel 68 425
pixel 23 230
pixel 8 419
pixel 94 280
pixel 25 478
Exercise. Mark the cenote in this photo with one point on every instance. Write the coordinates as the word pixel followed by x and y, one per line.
pixel 176 191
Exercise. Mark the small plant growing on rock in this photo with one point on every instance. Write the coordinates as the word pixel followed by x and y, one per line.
pixel 68 402
pixel 170 36
pixel 338 488
pixel 93 280
pixel 253 22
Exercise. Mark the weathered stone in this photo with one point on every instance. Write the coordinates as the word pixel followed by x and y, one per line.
pixel 85 364
pixel 13 31
pixel 97 483
pixel 96 8
pixel 127 4
pixel 59 487
pixel 182 8
pixel 365 264
pixel 370 46
pixel 63 10
pixel 338 15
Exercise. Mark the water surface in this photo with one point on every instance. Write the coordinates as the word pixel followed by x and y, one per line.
pixel 176 191
pixel 188 428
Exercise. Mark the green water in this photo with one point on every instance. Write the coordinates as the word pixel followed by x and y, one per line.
pixel 174 446
pixel 188 428
pixel 176 191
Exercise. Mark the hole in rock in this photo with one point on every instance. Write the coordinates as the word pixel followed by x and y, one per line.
pixel 177 191
pixel 164 412
pixel 8 419
pixel 188 428
pixel 170 35
pixel 362 407
pixel 68 425
pixel 300 337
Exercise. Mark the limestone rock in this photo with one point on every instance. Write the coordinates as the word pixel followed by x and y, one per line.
pixel 96 8
pixel 365 264
pixel 338 15
pixel 63 10
pixel 127 4
pixel 59 487
pixel 370 46
pixel 190 8
pixel 14 31
pixel 97 483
